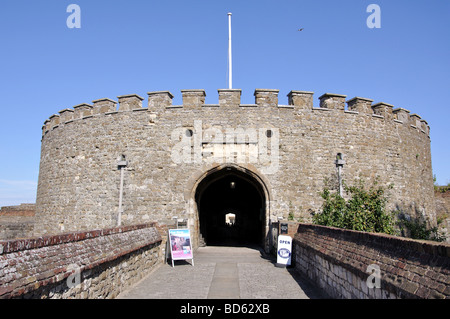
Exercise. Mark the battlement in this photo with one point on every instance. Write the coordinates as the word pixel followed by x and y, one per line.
pixel 161 101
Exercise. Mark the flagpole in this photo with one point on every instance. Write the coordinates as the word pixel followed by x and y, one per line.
pixel 230 79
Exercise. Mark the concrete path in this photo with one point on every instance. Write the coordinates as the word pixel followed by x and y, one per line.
pixel 224 273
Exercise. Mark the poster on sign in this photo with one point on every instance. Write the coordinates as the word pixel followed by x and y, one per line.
pixel 180 245
pixel 284 251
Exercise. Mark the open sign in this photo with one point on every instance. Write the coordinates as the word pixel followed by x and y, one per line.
pixel 284 251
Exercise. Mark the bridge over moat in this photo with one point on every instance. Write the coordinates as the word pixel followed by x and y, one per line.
pixel 106 263
pixel 224 272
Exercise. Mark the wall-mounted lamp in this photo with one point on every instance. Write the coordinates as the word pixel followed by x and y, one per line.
pixel 121 164
pixel 121 161
pixel 339 159
pixel 340 164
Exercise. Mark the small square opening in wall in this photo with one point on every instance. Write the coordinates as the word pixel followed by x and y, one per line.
pixel 269 133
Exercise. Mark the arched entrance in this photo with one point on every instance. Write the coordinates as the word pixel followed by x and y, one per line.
pixel 231 206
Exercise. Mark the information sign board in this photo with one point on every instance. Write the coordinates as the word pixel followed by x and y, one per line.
pixel 180 245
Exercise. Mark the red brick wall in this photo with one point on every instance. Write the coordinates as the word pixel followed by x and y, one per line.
pixel 338 261
pixel 40 267
pixel 25 210
pixel 17 221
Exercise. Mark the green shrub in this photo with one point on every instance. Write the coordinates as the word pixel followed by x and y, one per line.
pixel 364 211
pixel 418 229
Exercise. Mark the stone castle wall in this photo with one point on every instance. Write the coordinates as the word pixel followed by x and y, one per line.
pixel 169 148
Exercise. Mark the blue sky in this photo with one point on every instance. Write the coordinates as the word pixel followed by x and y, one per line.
pixel 138 46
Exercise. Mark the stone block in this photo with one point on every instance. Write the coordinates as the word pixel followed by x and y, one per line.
pixel 360 105
pixel 130 102
pixel 102 106
pixel 425 127
pixel 384 110
pixel 82 110
pixel 66 115
pixel 229 97
pixel 301 99
pixel 332 101
pixel 54 120
pixel 415 120
pixel 401 115
pixel 193 98
pixel 266 97
pixel 159 100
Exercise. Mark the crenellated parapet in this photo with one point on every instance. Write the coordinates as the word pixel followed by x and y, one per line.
pixel 161 101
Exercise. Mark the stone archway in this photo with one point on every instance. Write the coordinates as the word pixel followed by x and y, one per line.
pixel 230 188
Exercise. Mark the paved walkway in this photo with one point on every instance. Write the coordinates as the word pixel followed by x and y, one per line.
pixel 223 273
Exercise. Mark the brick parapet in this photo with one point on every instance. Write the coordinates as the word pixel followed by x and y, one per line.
pixel 338 260
pixel 25 210
pixel 18 245
pixel 37 267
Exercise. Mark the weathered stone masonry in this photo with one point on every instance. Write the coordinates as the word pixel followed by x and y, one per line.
pixel 92 264
pixel 78 186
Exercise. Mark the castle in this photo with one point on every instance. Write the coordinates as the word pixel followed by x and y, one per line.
pixel 102 166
